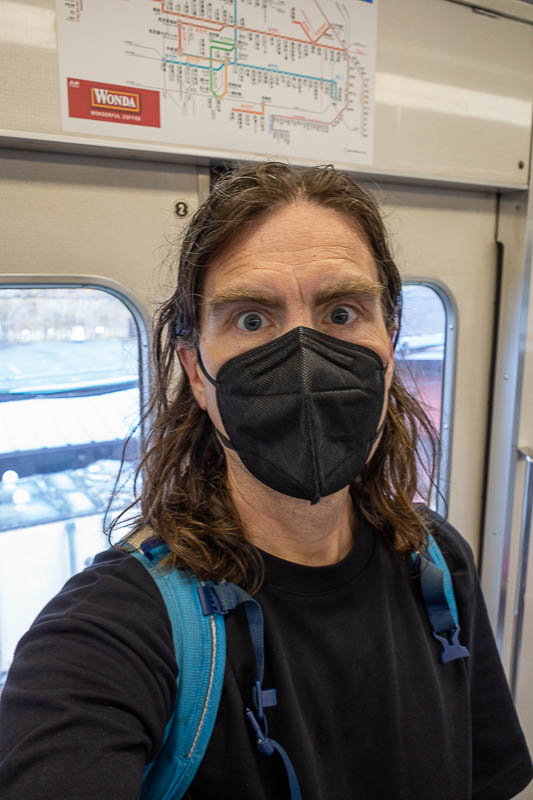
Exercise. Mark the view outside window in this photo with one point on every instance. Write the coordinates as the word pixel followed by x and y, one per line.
pixel 69 396
pixel 420 352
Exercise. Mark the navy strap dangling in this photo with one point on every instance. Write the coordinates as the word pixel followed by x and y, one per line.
pixel 220 599
pixel 441 608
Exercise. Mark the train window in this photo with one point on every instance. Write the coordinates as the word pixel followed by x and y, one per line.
pixel 423 356
pixel 70 394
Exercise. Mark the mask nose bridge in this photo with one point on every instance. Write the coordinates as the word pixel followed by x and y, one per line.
pixel 306 353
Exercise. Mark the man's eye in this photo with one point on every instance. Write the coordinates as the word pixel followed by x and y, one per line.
pixel 250 321
pixel 341 315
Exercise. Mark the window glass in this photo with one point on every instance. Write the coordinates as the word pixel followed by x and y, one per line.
pixel 69 395
pixel 421 358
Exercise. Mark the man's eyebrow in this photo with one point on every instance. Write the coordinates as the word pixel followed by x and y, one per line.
pixel 357 286
pixel 226 297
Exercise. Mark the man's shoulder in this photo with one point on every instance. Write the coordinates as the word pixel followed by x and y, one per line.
pixel 113 585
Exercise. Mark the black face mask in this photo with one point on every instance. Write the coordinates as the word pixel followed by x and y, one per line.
pixel 302 411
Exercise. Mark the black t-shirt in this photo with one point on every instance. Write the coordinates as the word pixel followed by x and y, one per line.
pixel 365 708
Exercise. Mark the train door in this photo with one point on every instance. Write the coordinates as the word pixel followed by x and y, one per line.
pixel 506 561
pixel 479 248
pixel 445 239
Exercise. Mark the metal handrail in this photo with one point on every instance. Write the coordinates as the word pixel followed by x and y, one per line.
pixel 521 584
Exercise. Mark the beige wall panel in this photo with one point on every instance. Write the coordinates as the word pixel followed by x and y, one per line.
pixel 454 92
pixel 87 216
pixel 449 236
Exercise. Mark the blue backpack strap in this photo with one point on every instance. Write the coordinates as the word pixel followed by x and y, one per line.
pixel 200 648
pixel 217 600
pixel 439 599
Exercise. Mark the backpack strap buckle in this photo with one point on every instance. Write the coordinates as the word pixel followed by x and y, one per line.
pixel 263 698
pixel 451 650
pixel 153 543
pixel 439 599
pixel 210 601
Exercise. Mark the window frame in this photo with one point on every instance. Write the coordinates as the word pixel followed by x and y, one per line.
pixel 449 372
pixel 143 325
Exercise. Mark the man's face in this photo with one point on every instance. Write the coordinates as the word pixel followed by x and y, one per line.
pixel 302 264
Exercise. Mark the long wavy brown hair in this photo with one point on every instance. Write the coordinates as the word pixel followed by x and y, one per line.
pixel 184 497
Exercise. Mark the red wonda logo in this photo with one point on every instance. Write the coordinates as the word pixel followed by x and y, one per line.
pixel 109 102
pixel 103 98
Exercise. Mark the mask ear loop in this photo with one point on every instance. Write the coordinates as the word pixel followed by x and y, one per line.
pixel 382 426
pixel 224 439
pixel 202 367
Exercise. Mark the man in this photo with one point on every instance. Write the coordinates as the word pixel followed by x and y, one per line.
pixel 283 462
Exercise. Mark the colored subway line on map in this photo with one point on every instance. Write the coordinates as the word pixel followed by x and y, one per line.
pixel 290 74
pixel 218 27
pixel 229 46
pixel 169 60
pixel 250 110
pixel 228 49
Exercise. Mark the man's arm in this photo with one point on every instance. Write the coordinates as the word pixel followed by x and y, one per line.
pixel 90 690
